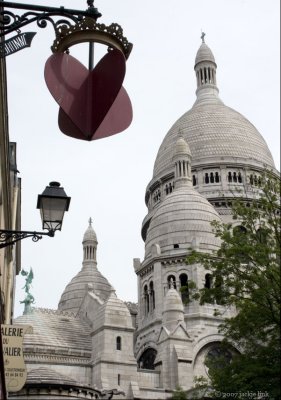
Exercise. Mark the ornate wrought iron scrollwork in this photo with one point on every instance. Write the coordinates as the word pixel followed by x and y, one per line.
pixel 8 237
pixel 10 22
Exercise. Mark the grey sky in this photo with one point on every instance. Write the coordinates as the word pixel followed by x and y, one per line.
pixel 106 179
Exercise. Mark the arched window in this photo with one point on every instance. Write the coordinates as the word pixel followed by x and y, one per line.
pixel 237 230
pixel 219 356
pixel 240 180
pixel 262 235
pixel 217 177
pixel 207 178
pixel 194 182
pixel 146 300
pixel 171 281
pixel 219 288
pixel 184 288
pixel 212 179
pixel 152 296
pixel 229 176
pixel 201 76
pixel 147 359
pixel 234 177
pixel 208 281
pixel 118 343
pixel 240 234
pixel 166 189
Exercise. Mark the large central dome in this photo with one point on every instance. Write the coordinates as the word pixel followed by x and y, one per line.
pixel 213 131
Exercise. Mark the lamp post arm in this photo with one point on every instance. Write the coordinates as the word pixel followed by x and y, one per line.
pixel 9 237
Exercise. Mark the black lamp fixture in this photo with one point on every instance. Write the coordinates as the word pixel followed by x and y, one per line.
pixel 53 203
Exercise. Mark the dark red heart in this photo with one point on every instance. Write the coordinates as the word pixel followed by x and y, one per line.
pixel 118 118
pixel 85 96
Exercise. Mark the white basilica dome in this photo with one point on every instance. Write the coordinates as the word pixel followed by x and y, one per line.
pixel 215 133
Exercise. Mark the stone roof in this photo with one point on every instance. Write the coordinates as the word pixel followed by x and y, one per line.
pixel 113 312
pixel 60 331
pixel 49 376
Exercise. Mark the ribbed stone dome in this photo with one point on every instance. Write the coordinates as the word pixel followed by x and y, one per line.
pixel 88 277
pixel 204 54
pixel 182 219
pixel 214 131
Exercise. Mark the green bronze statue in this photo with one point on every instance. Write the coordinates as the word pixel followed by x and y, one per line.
pixel 29 299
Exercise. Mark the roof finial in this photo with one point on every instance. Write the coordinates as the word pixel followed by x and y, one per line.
pixel 90 221
pixel 203 34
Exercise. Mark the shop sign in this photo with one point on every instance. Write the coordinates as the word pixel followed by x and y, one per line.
pixel 12 342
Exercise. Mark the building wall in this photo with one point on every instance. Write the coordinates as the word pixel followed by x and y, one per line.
pixel 9 211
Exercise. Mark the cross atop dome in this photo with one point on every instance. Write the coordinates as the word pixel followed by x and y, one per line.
pixel 203 34
pixel 90 221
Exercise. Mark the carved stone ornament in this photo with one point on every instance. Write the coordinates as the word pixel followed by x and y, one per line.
pixel 88 30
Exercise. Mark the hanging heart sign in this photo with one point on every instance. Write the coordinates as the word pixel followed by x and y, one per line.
pixel 84 96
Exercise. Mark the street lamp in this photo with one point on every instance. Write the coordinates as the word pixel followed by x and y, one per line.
pixel 53 203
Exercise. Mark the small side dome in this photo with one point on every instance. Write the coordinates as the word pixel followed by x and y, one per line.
pixel 114 312
pixel 182 217
pixel 204 53
pixel 182 147
pixel 173 301
pixel 74 293
pixel 173 311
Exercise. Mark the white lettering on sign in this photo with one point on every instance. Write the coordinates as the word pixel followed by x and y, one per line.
pixel 15 44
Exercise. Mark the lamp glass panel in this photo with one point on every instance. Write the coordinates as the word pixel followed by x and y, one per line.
pixel 52 212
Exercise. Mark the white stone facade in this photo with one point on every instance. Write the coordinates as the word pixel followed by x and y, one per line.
pixel 94 342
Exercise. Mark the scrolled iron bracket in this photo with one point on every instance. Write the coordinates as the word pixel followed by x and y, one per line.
pixel 11 22
pixel 9 237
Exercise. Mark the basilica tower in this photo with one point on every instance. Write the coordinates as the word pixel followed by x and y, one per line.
pixel 210 152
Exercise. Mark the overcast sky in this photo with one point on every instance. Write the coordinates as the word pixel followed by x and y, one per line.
pixel 106 179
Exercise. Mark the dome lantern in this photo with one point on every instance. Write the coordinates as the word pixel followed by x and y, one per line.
pixel 90 243
pixel 205 69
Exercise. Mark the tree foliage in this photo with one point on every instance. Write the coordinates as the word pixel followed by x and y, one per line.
pixel 179 394
pixel 245 275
